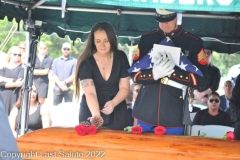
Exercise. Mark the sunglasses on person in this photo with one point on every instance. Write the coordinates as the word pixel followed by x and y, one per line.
pixel 129 104
pixel 15 54
pixel 211 100
pixel 66 49
pixel 137 90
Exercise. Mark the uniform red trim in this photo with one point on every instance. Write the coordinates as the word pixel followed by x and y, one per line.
pixel 135 77
pixel 159 101
pixel 181 79
pixel 191 75
pixel 151 32
pixel 155 125
pixel 194 79
pixel 193 36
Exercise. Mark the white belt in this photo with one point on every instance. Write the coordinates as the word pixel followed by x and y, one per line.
pixel 167 81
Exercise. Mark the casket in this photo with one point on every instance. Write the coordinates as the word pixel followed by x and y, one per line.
pixel 64 143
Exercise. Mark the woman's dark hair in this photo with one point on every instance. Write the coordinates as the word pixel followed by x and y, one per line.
pixel 19 100
pixel 214 93
pixel 90 48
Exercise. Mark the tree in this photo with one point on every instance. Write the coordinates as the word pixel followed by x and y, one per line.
pixel 54 43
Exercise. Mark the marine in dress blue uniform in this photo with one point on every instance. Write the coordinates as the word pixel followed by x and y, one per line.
pixel 158 103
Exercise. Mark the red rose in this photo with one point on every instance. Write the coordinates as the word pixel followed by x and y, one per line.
pixel 92 130
pixel 137 130
pixel 81 130
pixel 159 130
pixel 230 135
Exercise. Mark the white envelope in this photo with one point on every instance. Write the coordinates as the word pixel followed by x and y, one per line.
pixel 174 52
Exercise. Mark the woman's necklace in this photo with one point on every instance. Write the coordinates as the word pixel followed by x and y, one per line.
pixel 104 64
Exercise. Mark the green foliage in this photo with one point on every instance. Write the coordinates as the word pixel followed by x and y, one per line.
pixel 224 62
pixel 54 43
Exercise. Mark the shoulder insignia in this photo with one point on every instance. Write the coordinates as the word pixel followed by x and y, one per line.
pixel 202 59
pixel 136 55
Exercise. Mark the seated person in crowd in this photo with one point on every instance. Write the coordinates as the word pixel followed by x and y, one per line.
pixel 212 115
pixel 38 114
pixel 135 88
pixel 224 101
pixel 228 88
pixel 129 108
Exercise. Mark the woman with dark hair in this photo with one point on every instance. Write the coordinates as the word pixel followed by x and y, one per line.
pixel 102 72
pixel 213 115
pixel 11 78
pixel 38 113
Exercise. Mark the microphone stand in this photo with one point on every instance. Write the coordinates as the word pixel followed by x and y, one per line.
pixel 35 34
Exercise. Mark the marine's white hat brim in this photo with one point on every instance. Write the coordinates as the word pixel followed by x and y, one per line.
pixel 163 11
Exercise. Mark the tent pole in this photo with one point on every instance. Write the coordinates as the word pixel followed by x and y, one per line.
pixel 136 12
pixel 130 52
pixel 37 4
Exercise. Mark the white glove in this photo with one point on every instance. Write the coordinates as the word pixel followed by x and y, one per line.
pixel 163 66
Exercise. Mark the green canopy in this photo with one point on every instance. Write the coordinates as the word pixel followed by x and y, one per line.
pixel 220 29
pixel 181 5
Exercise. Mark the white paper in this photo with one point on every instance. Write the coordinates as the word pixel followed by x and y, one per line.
pixel 174 52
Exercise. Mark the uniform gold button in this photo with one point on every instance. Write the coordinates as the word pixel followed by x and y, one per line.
pixel 149 75
pixel 143 87
pixel 181 76
pixel 181 97
pixel 186 77
pixel 172 34
pixel 141 76
pixel 144 75
pixel 174 74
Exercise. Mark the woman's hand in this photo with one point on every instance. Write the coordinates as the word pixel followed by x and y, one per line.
pixel 108 107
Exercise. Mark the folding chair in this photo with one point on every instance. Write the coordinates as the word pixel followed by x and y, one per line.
pixel 215 131
pixel 195 130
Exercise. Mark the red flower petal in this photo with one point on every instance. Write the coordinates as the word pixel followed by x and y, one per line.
pixel 159 130
pixel 137 130
pixel 230 135
pixel 92 130
pixel 81 130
